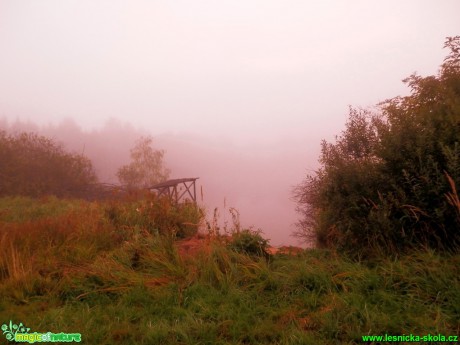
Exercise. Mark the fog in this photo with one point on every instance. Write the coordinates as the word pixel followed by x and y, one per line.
pixel 238 93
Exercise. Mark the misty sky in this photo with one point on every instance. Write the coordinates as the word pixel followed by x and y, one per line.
pixel 249 69
pixel 247 73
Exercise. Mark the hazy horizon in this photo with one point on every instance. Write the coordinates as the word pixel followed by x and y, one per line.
pixel 239 93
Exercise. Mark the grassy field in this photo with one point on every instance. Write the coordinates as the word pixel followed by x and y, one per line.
pixel 113 272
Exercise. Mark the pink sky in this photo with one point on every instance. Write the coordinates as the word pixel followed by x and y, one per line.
pixel 264 80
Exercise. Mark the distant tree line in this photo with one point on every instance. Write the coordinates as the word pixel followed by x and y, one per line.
pixel 390 180
pixel 34 165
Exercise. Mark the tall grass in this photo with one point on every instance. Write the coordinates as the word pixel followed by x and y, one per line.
pixel 155 215
pixel 114 279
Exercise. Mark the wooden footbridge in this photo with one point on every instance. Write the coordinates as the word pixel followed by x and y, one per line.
pixel 177 189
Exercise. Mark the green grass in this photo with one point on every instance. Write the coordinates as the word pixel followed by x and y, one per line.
pixel 21 209
pixel 113 274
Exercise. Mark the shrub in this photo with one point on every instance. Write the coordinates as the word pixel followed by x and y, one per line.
pixel 249 242
pixel 389 181
pixel 34 165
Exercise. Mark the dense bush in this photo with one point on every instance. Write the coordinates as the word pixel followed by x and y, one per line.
pixel 34 165
pixel 389 181
pixel 249 242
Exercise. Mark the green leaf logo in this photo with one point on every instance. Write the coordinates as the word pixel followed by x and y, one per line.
pixel 10 330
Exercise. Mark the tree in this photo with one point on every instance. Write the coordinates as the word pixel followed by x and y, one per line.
pixel 390 180
pixel 35 165
pixel 146 166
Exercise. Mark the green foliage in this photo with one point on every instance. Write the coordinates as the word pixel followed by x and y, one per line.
pixel 389 181
pixel 35 165
pixel 146 167
pixel 249 242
